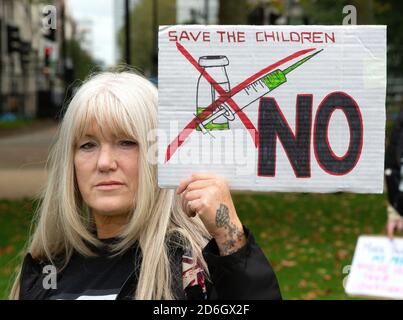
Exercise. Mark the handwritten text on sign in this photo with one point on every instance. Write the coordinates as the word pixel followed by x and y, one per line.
pixel 377 268
pixel 273 108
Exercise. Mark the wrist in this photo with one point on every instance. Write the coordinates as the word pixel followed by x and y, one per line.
pixel 231 239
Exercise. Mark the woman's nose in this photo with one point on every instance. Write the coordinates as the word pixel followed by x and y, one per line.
pixel 107 159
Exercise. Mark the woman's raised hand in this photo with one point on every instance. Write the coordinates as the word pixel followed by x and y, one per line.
pixel 208 196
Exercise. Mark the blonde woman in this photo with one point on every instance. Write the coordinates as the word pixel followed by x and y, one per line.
pixel 104 230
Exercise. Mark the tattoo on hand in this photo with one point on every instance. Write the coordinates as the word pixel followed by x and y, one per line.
pixel 222 216
pixel 234 236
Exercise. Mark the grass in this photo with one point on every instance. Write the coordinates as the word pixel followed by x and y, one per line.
pixel 15 219
pixel 18 123
pixel 21 126
pixel 308 238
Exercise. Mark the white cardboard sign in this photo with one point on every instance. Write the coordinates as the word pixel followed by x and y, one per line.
pixel 273 108
pixel 377 268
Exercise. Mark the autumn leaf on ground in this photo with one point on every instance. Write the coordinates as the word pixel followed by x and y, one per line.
pixel 337 228
pixel 342 254
pixel 264 235
pixel 6 270
pixel 303 283
pixel 289 246
pixel 288 263
pixel 321 271
pixel 292 254
pixel 6 250
pixel 339 243
pixel 312 295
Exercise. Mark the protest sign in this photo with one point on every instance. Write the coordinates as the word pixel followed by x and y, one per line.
pixel 377 268
pixel 273 108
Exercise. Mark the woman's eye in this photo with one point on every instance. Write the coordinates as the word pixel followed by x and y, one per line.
pixel 87 146
pixel 127 143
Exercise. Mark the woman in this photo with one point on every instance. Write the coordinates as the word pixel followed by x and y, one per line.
pixel 106 231
pixel 394 178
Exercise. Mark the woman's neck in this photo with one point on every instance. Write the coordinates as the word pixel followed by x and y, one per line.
pixel 109 226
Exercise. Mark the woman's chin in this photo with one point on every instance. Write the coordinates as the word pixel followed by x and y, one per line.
pixel 109 207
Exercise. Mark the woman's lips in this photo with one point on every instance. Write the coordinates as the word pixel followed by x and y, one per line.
pixel 109 186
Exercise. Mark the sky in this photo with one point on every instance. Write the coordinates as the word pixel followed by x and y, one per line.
pixel 100 13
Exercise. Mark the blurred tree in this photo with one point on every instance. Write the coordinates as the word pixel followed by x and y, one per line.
pixel 82 62
pixel 365 11
pixel 390 14
pixel 142 35
pixel 324 11
pixel 368 12
pixel 233 12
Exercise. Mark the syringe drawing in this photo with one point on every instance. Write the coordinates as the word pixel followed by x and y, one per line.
pixel 217 103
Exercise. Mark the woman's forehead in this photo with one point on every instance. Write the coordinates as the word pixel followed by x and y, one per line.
pixel 106 131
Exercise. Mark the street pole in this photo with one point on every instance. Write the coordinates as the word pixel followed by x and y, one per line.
pixel 154 54
pixel 206 13
pixel 2 16
pixel 63 44
pixel 127 32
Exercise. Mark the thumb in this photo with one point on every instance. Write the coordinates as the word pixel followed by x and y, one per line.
pixel 390 229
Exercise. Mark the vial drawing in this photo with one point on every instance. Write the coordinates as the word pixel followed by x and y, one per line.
pixel 206 94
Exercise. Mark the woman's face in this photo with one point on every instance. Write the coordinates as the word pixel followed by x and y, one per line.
pixel 106 169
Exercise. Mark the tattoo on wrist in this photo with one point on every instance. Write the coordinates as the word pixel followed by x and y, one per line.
pixel 222 216
pixel 233 235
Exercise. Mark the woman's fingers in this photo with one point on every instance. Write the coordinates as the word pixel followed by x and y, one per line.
pixel 192 195
pixel 194 177
pixel 190 212
pixel 187 197
pixel 199 184
pixel 204 195
pixel 194 207
pixel 391 228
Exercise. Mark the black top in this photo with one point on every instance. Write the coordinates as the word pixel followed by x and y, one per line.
pixel 244 274
pixel 94 278
pixel 393 163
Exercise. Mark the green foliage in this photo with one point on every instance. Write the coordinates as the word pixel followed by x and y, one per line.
pixel 84 64
pixel 142 35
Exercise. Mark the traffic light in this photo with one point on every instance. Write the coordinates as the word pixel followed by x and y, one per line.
pixel 25 50
pixel 48 52
pixel 13 39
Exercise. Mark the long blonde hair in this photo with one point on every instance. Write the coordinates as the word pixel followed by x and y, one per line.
pixel 126 103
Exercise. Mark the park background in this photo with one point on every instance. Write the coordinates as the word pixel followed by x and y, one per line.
pixel 308 238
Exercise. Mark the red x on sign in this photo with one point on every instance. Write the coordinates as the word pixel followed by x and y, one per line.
pixel 224 96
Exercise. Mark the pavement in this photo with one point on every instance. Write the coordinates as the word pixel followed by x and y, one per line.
pixel 22 162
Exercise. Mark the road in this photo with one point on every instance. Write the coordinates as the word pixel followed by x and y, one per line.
pixel 22 162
